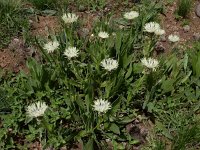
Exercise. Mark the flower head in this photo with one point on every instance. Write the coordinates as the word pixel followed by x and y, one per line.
pixel 71 52
pixel 151 27
pixel 173 38
pixel 131 15
pixel 69 18
pixel 109 64
pixel 160 32
pixel 103 35
pixel 150 63
pixel 101 106
pixel 36 109
pixel 51 46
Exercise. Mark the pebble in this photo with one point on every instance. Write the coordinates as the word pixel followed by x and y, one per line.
pixel 197 11
pixel 83 32
pixel 30 21
pixel 159 48
pixel 196 36
pixel 163 38
pixel 168 26
pixel 186 28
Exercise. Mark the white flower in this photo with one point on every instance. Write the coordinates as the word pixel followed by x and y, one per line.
pixel 103 35
pixel 36 109
pixel 69 18
pixel 173 38
pixel 131 15
pixel 51 46
pixel 160 32
pixel 109 64
pixel 151 27
pixel 150 63
pixel 71 52
pixel 101 105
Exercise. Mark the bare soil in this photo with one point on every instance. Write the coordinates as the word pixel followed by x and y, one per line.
pixel 14 57
pixel 44 25
pixel 175 26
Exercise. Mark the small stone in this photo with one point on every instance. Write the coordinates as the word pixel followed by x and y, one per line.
pixel 3 65
pixel 197 11
pixel 107 9
pixel 168 26
pixel 163 38
pixel 159 48
pixel 121 26
pixel 63 148
pixel 16 40
pixel 96 19
pixel 186 28
pixel 196 36
pixel 30 21
pixel 83 32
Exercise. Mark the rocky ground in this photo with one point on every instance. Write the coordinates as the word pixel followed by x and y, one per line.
pixel 188 30
pixel 14 56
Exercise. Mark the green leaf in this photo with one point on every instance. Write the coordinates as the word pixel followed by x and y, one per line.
pixel 89 145
pixel 121 146
pixel 28 119
pixel 118 42
pixel 167 85
pixel 185 61
pixel 129 72
pixel 3 132
pixel 150 106
pixel 138 84
pixel 185 79
pixel 108 88
pixel 163 129
pixel 114 128
pixel 127 59
pixel 80 102
pixel 80 135
pixel 88 102
pixel 127 119
pixel 115 105
pixel 49 12
pixel 197 68
pixel 133 142
pixel 137 68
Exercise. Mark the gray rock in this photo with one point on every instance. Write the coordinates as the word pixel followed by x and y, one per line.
pixel 196 36
pixel 198 10
pixel 163 38
pixel 186 28
pixel 30 21
pixel 159 48
pixel 83 32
